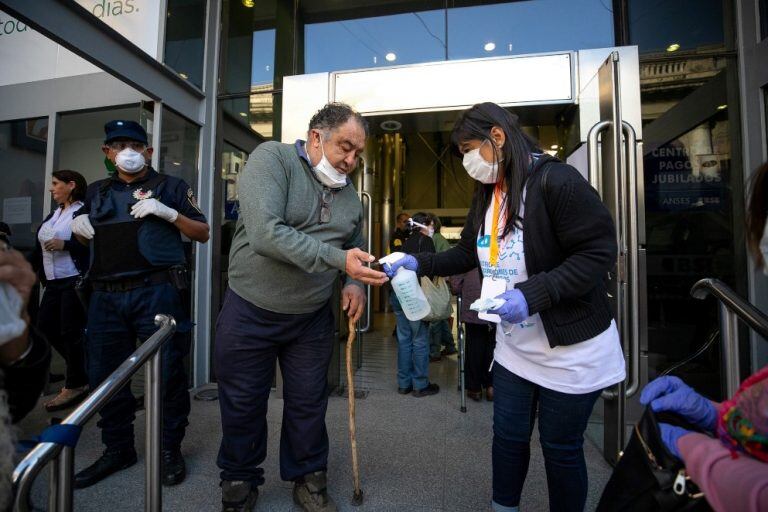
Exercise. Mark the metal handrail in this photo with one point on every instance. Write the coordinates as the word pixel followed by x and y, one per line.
pixel 462 341
pixel 62 458
pixel 732 309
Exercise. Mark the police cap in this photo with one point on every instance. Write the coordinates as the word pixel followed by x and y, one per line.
pixel 124 130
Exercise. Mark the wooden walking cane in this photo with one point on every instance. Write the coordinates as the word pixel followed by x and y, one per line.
pixel 357 497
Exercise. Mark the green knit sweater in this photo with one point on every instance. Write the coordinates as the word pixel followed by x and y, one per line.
pixel 282 258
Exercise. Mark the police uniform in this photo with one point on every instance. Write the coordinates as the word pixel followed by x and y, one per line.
pixel 134 271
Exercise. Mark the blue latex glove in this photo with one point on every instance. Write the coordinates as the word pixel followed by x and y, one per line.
pixel 514 310
pixel 406 261
pixel 673 395
pixel 670 434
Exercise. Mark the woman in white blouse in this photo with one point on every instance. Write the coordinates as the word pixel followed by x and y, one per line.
pixel 59 260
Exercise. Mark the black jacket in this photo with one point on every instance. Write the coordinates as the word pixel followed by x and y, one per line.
pixel 417 243
pixel 80 254
pixel 570 245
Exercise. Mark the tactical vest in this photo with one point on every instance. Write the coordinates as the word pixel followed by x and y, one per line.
pixel 124 246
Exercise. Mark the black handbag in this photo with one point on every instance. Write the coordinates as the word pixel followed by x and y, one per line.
pixel 648 477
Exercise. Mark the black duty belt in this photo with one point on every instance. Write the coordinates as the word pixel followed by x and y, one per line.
pixel 131 283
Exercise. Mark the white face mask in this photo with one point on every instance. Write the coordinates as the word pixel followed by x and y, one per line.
pixel 327 174
pixel 130 161
pixel 478 168
pixel 430 232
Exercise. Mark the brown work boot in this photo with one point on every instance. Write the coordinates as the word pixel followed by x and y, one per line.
pixel 311 495
pixel 67 398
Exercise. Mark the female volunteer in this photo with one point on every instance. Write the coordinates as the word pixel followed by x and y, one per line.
pixel 59 260
pixel 544 243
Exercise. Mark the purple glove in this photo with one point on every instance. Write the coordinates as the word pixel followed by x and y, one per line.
pixel 670 434
pixel 673 395
pixel 514 310
pixel 407 261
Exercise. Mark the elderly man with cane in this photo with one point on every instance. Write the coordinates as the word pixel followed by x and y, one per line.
pixel 300 227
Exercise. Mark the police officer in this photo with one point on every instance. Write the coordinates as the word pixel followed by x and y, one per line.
pixel 401 233
pixel 133 221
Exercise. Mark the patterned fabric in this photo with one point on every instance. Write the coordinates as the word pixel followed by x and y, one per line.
pixel 742 424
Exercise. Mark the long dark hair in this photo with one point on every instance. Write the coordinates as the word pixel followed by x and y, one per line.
pixel 757 211
pixel 476 124
pixel 67 176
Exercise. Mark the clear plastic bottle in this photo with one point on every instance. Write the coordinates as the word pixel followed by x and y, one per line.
pixel 408 291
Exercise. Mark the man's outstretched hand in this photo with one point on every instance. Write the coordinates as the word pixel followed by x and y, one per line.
pixel 356 269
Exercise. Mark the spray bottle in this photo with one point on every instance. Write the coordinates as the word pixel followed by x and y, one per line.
pixel 409 293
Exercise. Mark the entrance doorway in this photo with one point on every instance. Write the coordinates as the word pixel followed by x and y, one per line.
pixel 583 107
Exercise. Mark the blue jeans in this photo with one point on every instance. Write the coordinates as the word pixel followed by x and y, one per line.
pixel 440 336
pixel 115 321
pixel 562 421
pixel 412 349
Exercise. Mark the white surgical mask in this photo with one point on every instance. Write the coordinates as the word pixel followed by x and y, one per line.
pixel 130 161
pixel 327 174
pixel 478 168
pixel 430 232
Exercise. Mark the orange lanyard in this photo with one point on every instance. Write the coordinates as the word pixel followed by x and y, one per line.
pixel 497 211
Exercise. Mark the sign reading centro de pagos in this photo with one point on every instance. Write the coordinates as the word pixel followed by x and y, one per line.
pixel 29 56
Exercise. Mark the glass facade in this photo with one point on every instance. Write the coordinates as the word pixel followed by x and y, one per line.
pixel 433 35
pixel 693 178
pixel 23 145
pixel 763 6
pixel 184 38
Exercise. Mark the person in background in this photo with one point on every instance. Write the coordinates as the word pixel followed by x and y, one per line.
pixel 731 469
pixel 134 221
pixel 441 341
pixel 59 260
pixel 413 336
pixel 299 231
pixel 544 248
pixel 480 337
pixel 401 234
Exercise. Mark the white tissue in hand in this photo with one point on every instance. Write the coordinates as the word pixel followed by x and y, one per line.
pixel 11 324
pixel 482 305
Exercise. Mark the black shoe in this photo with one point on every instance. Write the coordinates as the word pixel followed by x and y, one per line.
pixel 448 352
pixel 111 462
pixel 238 496
pixel 405 391
pixel 174 469
pixel 431 389
pixel 435 359
pixel 311 494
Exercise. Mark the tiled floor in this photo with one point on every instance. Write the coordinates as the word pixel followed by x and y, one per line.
pixel 420 455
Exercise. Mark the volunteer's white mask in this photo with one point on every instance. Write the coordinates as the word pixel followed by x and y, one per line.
pixel 327 174
pixel 478 168
pixel 130 161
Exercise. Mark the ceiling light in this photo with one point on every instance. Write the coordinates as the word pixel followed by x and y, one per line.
pixel 176 163
pixel 243 114
pixel 722 107
pixel 248 3
pixel 489 47
pixel 391 57
pixel 673 47
pixel 554 147
pixel 391 125
pixel 183 75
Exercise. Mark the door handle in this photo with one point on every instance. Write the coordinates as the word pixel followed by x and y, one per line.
pixel 595 172
pixel 633 272
pixel 367 326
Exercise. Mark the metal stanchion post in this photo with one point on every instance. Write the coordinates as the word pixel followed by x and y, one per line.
pixel 66 463
pixel 729 333
pixel 53 486
pixel 153 490
pixel 460 334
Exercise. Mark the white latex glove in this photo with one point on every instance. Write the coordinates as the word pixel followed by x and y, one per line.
pixel 154 207
pixel 482 305
pixel 81 225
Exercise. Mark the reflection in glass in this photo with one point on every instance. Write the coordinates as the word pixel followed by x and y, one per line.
pixel 690 233
pixel 668 27
pixel 184 38
pixel 373 42
pixel 22 164
pixel 179 148
pixel 249 51
pixel 528 27
pixel 763 18
pixel 256 111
